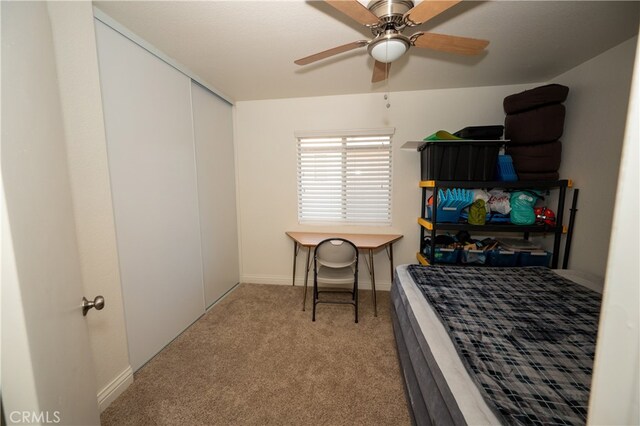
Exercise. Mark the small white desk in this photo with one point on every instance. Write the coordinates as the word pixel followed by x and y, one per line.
pixel 368 242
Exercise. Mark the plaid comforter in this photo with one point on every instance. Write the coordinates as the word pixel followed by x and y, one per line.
pixel 526 335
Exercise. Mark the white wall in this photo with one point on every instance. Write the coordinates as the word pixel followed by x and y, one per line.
pixel 592 143
pixel 77 64
pixel 266 161
pixel 50 367
pixel 596 111
pixel 20 379
pixel 615 395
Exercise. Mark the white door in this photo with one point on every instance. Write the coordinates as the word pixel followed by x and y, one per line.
pixel 47 370
pixel 147 109
pixel 213 131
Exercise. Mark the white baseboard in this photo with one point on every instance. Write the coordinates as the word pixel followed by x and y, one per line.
pixel 118 385
pixel 286 280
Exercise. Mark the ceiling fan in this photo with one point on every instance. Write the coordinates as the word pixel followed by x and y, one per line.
pixel 387 19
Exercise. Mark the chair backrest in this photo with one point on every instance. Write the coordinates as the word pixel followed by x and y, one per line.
pixel 336 253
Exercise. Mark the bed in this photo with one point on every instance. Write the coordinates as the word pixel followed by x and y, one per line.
pixel 521 352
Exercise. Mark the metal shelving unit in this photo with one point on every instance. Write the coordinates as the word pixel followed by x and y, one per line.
pixel 432 226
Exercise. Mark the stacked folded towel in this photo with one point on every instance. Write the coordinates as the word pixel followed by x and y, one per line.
pixel 534 125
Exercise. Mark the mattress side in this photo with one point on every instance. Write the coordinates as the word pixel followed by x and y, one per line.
pixel 471 403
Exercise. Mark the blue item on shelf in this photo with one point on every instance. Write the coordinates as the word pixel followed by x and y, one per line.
pixel 450 204
pixel 498 218
pixel 505 171
pixel 491 217
pixel 445 214
pixel 502 258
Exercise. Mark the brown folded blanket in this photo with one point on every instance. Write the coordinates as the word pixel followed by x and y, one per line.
pixel 544 124
pixel 535 158
pixel 539 176
pixel 534 98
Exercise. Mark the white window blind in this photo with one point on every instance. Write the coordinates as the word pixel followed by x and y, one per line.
pixel 345 177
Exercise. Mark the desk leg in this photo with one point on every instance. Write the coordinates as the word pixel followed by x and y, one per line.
pixel 306 277
pixel 373 283
pixel 295 256
pixel 390 255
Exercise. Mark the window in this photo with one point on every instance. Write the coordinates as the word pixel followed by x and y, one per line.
pixel 345 177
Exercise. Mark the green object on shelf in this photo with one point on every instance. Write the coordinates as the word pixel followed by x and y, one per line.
pixel 477 213
pixel 441 135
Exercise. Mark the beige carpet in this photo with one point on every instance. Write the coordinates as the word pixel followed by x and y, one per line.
pixel 256 358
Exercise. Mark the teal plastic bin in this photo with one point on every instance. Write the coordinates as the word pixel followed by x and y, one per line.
pixel 502 258
pixel 534 258
pixel 443 255
pixel 450 204
pixel 446 214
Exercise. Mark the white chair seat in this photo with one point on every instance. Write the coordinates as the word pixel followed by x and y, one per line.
pixel 329 275
pixel 330 264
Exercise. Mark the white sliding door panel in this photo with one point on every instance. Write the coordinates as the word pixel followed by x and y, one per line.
pixel 147 107
pixel 213 130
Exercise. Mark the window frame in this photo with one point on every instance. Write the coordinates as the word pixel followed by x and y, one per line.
pixel 349 214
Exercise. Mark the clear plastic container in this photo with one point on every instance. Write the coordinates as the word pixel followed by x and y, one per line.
pixel 443 255
pixel 474 257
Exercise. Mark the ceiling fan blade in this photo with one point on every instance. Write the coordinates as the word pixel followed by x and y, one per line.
pixel 448 43
pixel 380 71
pixel 354 10
pixel 426 10
pixel 331 52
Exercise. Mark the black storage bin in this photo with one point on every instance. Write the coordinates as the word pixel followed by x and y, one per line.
pixel 481 132
pixel 459 160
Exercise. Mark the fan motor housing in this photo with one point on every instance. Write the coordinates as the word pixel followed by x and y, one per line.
pixel 390 12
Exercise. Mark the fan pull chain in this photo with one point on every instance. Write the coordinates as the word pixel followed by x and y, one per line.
pixel 386 82
pixel 388 94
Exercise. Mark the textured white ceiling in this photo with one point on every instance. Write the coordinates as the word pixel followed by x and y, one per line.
pixel 247 48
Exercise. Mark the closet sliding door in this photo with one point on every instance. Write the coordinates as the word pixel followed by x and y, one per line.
pixel 213 130
pixel 150 144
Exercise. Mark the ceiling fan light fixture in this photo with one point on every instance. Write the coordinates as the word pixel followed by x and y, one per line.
pixel 387 19
pixel 388 49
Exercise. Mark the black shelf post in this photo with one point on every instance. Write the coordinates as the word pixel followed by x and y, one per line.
pixel 558 233
pixel 572 218
pixel 423 210
pixel 434 220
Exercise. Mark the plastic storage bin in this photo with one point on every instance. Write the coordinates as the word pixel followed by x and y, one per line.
pixel 443 255
pixel 450 204
pixel 459 160
pixel 502 258
pixel 445 214
pixel 518 244
pixel 534 258
pixel 473 257
pixel 481 132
